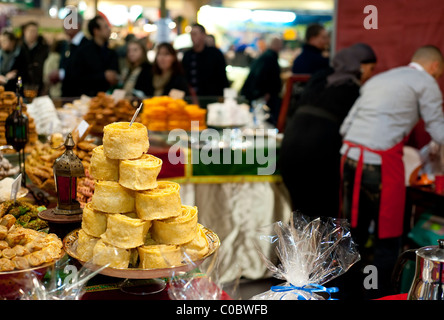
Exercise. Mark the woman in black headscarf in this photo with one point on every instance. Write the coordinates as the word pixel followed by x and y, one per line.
pixel 309 158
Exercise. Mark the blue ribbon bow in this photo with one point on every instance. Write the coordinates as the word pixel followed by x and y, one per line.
pixel 309 288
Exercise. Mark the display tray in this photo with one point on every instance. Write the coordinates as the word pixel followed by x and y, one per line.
pixel 70 243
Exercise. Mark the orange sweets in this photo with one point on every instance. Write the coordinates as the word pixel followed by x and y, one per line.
pixel 165 113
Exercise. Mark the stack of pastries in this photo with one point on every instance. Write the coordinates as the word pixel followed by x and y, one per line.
pixel 134 220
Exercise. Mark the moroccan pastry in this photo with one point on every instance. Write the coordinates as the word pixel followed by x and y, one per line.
pixel 159 256
pixel 159 203
pixel 102 167
pixel 93 221
pixel 176 230
pixel 140 174
pixel 111 197
pixel 85 245
pixel 125 232
pixel 122 141
pixel 104 253
pixel 198 247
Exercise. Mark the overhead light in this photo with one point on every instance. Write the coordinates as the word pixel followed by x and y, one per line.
pixel 149 27
pixel 273 16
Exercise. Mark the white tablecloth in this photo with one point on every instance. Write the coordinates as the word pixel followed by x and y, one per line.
pixel 234 211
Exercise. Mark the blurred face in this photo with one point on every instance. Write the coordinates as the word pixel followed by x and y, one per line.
pixel 6 44
pixel 31 34
pixel 321 41
pixel 104 31
pixel 134 53
pixel 367 71
pixel 437 70
pixel 164 59
pixel 198 37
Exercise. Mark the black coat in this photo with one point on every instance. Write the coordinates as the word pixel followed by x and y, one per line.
pixel 210 78
pixel 264 77
pixel 177 81
pixel 29 63
pixel 70 83
pixel 309 61
pixel 309 158
pixel 89 67
pixel 144 79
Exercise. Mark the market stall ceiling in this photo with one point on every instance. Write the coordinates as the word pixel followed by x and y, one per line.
pixel 311 5
pixel 314 5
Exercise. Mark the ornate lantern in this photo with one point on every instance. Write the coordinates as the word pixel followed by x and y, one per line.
pixel 67 168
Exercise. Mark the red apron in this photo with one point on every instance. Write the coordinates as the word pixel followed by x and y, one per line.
pixel 392 201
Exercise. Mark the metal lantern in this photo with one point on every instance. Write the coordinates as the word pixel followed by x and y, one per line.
pixel 67 168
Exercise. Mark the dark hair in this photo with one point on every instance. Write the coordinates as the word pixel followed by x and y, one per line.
pixel 313 30
pixel 28 24
pixel 93 24
pixel 199 26
pixel 176 66
pixel 141 46
pixel 10 35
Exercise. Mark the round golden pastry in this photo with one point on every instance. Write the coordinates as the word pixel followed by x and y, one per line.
pixel 161 202
pixel 159 256
pixel 125 232
pixel 111 197
pixel 140 174
pixel 93 221
pixel 122 141
pixel 176 230
pixel 105 253
pixel 85 245
pixel 102 167
pixel 198 247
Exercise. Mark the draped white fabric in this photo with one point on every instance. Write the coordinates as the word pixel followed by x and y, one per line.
pixel 234 211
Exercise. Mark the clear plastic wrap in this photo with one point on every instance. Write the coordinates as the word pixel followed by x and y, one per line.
pixel 201 282
pixel 310 253
pixel 62 281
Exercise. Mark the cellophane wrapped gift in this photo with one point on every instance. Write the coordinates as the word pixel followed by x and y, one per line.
pixel 310 253
pixel 199 281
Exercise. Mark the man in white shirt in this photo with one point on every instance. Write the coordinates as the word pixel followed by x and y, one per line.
pixel 380 121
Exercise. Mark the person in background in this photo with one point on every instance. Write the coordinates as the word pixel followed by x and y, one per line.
pixel 374 132
pixel 138 74
pixel 310 160
pixel 95 64
pixel 33 53
pixel 168 72
pixel 311 58
pixel 204 66
pixel 264 79
pixel 65 73
pixel 51 66
pixel 210 40
pixel 9 51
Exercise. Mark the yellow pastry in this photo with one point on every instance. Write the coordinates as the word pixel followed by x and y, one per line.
pixel 93 221
pixel 85 245
pixel 198 247
pixel 140 174
pixel 176 230
pixel 111 197
pixel 102 167
pixel 122 141
pixel 159 203
pixel 125 232
pixel 159 256
pixel 104 254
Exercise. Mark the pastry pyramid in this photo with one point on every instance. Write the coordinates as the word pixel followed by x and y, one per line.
pixel 134 220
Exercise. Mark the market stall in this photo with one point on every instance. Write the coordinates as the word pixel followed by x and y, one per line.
pixel 219 176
